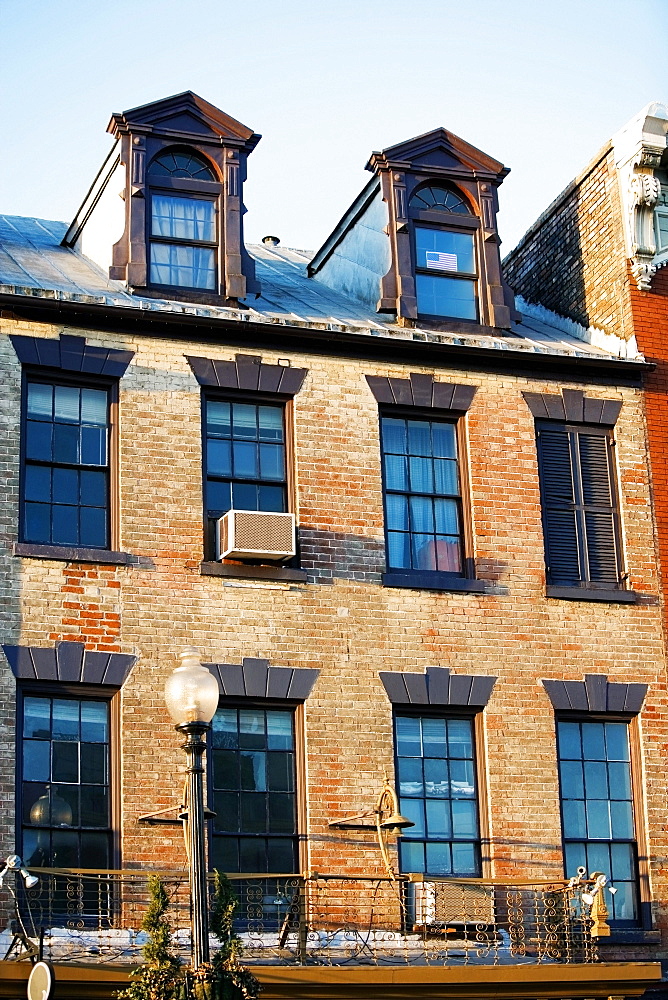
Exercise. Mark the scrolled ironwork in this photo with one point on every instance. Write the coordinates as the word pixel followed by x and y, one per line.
pixel 320 919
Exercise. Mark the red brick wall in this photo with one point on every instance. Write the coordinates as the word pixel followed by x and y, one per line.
pixel 650 321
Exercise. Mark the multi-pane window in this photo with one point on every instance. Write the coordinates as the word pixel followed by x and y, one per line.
pixel 245 459
pixel 183 239
pixel 253 781
pixel 66 820
pixel 66 472
pixel 597 808
pixel 423 515
pixel 445 265
pixel 580 514
pixel 438 793
pixel 182 226
pixel 445 276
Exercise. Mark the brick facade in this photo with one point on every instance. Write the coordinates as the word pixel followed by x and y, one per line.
pixel 338 631
pixel 573 260
pixel 342 621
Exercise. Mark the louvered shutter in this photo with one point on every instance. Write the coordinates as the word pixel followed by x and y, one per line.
pixel 559 514
pixel 599 513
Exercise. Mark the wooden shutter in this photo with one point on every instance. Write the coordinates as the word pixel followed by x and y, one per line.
pixel 580 518
pixel 560 531
pixel 598 507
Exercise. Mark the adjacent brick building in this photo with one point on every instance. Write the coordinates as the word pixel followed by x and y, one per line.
pixel 597 256
pixel 385 392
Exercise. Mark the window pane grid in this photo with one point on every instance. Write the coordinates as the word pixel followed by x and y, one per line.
pixel 65 790
pixel 437 792
pixel 422 495
pixel 597 808
pixel 253 780
pixel 66 472
pixel 188 263
pixel 245 458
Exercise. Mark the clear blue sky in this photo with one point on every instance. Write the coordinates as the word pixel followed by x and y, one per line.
pixel 540 85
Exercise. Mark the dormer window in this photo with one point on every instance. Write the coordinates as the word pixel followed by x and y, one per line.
pixel 445 268
pixel 182 235
pixel 420 243
pixel 181 167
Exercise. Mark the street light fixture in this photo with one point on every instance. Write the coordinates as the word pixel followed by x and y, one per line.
pixel 191 694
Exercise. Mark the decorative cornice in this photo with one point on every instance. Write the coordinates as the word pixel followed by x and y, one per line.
pixel 574 407
pixel 248 372
pixel 437 686
pixel 254 678
pixel 595 694
pixel 186 116
pixel 70 663
pixel 72 354
pixel 422 390
pixel 638 149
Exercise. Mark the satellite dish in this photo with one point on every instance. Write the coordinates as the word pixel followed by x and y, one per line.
pixel 40 982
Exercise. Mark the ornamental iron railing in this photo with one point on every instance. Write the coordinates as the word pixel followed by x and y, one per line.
pixel 312 919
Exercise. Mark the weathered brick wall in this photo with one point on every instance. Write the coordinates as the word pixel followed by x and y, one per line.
pixel 342 620
pixel 573 260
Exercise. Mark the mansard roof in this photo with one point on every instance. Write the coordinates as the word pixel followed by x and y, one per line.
pixel 38 273
pixel 186 117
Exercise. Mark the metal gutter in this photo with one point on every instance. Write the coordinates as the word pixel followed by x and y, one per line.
pixel 279 336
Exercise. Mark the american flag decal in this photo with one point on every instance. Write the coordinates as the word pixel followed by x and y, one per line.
pixel 438 261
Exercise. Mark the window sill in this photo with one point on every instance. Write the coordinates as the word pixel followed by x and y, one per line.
pixel 66 553
pixel 632 935
pixel 586 594
pixel 253 572
pixel 433 581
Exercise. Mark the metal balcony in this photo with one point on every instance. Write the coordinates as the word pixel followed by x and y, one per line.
pixel 312 920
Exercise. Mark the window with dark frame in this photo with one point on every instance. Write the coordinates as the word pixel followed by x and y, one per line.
pixel 65 781
pixel 445 265
pixel 579 504
pixel 65 494
pixel 245 459
pixel 436 777
pixel 423 504
pixel 597 809
pixel 182 222
pixel 254 790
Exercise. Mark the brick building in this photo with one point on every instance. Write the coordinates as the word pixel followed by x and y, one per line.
pixel 597 257
pixel 475 546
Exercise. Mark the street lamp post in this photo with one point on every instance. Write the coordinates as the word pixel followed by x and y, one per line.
pixel 191 693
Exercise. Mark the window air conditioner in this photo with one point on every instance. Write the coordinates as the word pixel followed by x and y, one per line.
pixel 255 534
pixel 437 904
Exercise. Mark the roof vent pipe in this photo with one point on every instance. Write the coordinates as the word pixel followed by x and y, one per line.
pixel 271 241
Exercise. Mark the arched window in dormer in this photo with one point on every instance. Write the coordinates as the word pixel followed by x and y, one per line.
pixel 183 240
pixel 443 199
pixel 446 274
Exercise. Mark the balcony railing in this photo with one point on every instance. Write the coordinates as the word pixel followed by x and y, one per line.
pixel 314 919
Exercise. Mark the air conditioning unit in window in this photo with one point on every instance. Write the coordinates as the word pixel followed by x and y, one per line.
pixel 255 534
pixel 440 904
